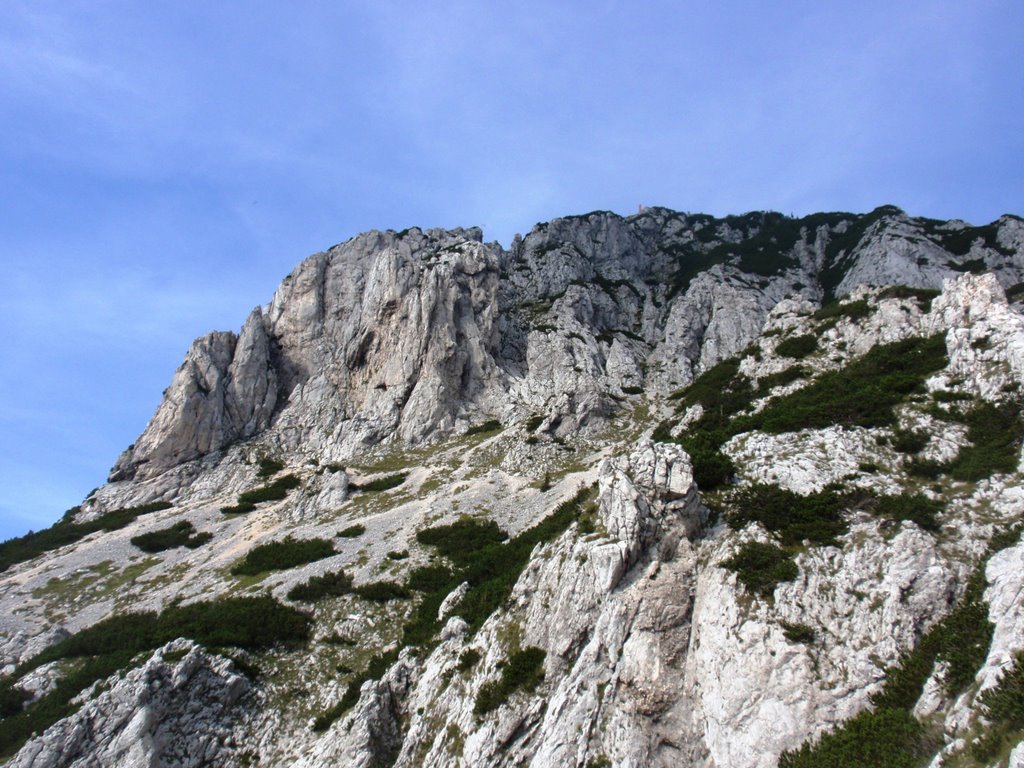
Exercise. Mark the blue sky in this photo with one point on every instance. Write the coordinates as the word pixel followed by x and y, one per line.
pixel 164 164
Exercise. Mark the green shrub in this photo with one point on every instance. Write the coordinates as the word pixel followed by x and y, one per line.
pixel 759 567
pixel 468 659
pixel 331 584
pixel 13 699
pixel 1004 709
pixel 382 591
pixel 909 441
pixel 429 578
pixel 862 394
pixel 628 390
pixel 523 672
pixel 797 347
pixel 882 738
pixel 533 423
pixel 492 425
pixel 853 310
pixel 995 434
pixel 945 396
pixel 914 507
pixel 462 539
pixel 929 469
pixel 380 484
pixel 181 534
pixel 281 555
pixel 352 531
pixel 239 509
pixel 275 491
pixel 269 467
pixel 788 376
pixel 64 532
pixel 798 633
pixel 794 518
pixel 375 669
pixel 396 555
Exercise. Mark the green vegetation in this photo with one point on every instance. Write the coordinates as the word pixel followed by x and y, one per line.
pixel 1004 709
pixel 181 534
pixel 909 440
pixel 269 467
pixel 780 379
pixel 275 491
pixel 862 394
pixel 851 310
pixel 468 659
pixel 280 555
pixel 914 507
pixel 995 433
pixel 488 427
pixel 239 509
pixel 385 483
pixel 382 591
pixel 65 532
pixel 533 423
pixel 111 645
pixel 352 531
pixel 524 671
pixel 793 518
pixel 797 347
pixel 398 555
pixel 331 584
pixel 881 738
pixel 798 633
pixel 759 567
pixel 375 669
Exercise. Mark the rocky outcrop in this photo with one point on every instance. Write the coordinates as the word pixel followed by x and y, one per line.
pixel 179 714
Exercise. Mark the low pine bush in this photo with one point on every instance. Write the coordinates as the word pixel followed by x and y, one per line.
pixel 331 584
pixel 281 555
pixel 524 671
pixel 181 534
pixel 759 567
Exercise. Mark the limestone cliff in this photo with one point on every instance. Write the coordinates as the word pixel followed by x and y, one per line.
pixel 661 490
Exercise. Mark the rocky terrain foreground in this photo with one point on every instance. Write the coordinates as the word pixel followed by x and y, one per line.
pixel 658 490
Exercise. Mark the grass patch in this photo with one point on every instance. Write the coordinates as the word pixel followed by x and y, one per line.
pixel 332 584
pixel 524 671
pixel 851 310
pixel 281 555
pixel 64 532
pixel 181 534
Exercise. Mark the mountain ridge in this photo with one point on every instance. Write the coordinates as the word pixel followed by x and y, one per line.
pixel 574 502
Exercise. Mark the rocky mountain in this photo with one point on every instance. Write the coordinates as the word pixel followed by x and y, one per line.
pixel 658 490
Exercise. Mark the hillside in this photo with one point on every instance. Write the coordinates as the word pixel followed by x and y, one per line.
pixel 657 490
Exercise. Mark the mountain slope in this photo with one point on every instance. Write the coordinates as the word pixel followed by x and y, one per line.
pixel 500 449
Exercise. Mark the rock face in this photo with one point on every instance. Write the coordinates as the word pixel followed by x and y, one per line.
pixel 410 335
pixel 408 381
pixel 164 713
